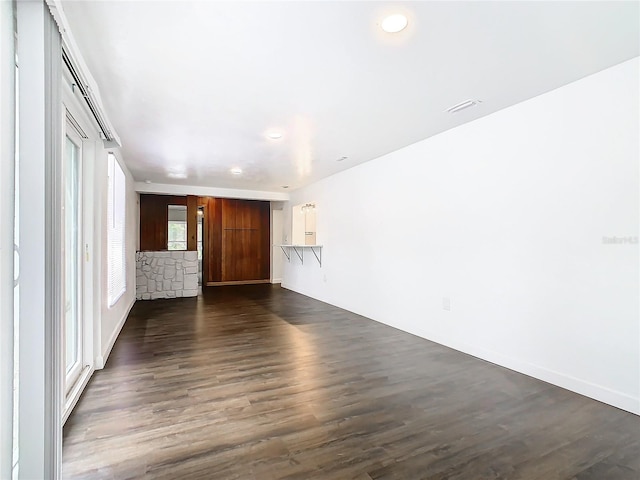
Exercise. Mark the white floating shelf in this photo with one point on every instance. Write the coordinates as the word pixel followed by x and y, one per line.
pixel 299 249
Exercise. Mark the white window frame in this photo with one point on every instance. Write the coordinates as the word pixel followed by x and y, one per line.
pixel 116 231
pixel 8 100
pixel 73 375
pixel 82 131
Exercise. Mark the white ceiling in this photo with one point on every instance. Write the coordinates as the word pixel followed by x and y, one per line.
pixel 192 87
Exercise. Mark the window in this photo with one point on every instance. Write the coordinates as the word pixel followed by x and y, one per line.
pixel 72 285
pixel 116 230
pixel 177 235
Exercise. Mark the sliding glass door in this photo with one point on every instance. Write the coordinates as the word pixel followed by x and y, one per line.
pixel 72 259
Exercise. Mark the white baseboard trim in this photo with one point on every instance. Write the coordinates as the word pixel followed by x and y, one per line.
pixel 600 393
pixel 276 280
pixel 101 360
pixel 577 385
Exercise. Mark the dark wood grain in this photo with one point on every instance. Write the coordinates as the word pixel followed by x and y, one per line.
pixel 212 246
pixel 154 220
pixel 265 241
pixel 245 239
pixel 236 234
pixel 229 213
pixel 192 222
pixel 260 383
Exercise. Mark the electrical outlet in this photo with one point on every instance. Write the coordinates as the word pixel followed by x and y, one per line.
pixel 446 304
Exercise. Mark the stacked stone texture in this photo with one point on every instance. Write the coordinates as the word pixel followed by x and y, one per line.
pixel 166 275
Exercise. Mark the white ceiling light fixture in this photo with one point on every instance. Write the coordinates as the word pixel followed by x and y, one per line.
pixel 463 105
pixel 274 135
pixel 177 175
pixel 342 159
pixel 236 170
pixel 394 23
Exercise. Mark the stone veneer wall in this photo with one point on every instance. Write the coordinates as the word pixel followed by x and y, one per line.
pixel 166 274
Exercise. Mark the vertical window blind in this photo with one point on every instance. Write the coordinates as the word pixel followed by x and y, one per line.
pixel 116 213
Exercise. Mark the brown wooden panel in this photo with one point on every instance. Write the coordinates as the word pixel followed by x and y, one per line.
pixel 246 214
pixel 229 255
pixel 192 222
pixel 250 262
pixel 154 220
pixel 229 209
pixel 241 255
pixel 212 246
pixel 237 239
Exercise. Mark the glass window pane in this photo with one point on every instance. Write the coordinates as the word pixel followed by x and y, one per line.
pixel 116 217
pixel 71 254
pixel 177 227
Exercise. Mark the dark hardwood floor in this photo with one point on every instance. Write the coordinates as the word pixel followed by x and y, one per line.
pixel 257 382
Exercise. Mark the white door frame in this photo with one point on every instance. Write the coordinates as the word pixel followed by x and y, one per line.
pixel 40 133
pixel 7 187
pixel 82 128
pixel 72 377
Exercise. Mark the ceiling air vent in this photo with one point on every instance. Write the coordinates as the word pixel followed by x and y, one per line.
pixel 463 105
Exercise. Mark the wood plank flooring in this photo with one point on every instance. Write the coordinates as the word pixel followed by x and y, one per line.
pixel 257 382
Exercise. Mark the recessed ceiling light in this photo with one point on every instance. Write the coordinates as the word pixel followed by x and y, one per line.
pixel 236 171
pixel 274 135
pixel 147 181
pixel 177 175
pixel 394 23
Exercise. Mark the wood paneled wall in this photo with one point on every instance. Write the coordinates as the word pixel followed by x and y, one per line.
pixel 192 222
pixel 212 241
pixel 154 220
pixel 236 241
pixel 236 234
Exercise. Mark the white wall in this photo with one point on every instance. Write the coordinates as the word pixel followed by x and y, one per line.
pixel 277 238
pixel 505 216
pixel 112 319
pixel 7 187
